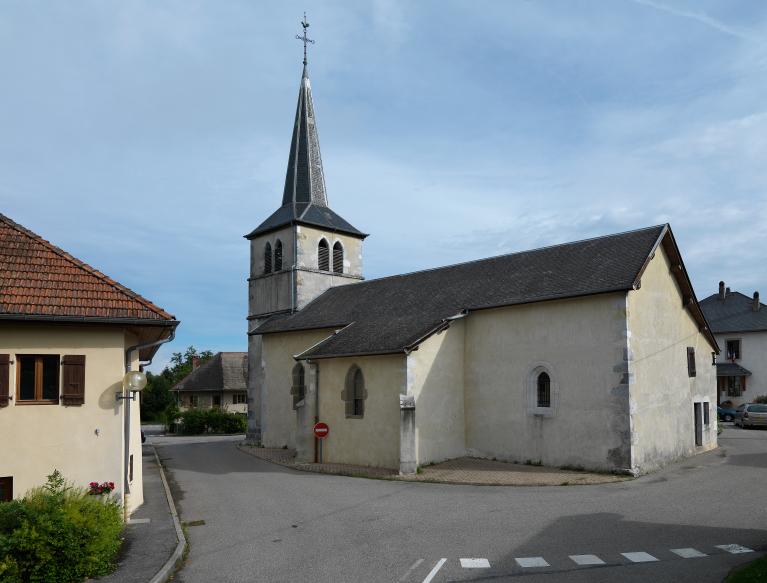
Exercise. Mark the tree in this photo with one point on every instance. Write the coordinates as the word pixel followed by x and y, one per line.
pixel 156 397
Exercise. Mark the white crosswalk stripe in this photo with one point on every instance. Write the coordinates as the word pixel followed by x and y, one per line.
pixel 475 563
pixel 529 562
pixel 586 560
pixel 688 553
pixel 735 549
pixel 639 557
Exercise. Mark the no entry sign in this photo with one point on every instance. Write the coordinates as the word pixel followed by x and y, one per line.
pixel 321 430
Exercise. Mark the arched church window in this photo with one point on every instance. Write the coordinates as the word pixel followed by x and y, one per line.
pixel 278 255
pixel 323 256
pixel 298 389
pixel 268 258
pixel 338 257
pixel 354 393
pixel 544 390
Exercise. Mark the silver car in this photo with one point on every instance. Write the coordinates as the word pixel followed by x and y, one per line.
pixel 751 415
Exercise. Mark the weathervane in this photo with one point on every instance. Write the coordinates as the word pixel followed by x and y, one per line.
pixel 306 39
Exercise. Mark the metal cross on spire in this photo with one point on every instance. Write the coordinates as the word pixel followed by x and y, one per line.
pixel 306 39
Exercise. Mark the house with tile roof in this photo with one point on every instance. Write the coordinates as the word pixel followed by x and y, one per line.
pixel 221 382
pixel 739 323
pixel 593 354
pixel 68 335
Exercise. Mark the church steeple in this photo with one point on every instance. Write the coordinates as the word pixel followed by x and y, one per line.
pixel 305 180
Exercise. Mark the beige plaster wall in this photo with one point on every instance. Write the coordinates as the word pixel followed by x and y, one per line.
pixel 278 419
pixel 205 401
pixel 753 348
pixel 435 374
pixel 309 238
pixel 661 392
pixel 580 342
pixel 374 439
pixel 85 443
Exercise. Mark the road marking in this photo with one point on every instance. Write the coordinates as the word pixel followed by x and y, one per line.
pixel 475 563
pixel 412 568
pixel 688 553
pixel 735 549
pixel 139 520
pixel 435 570
pixel 529 562
pixel 587 560
pixel 639 557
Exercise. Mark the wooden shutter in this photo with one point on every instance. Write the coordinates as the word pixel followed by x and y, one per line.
pixel 73 379
pixel 5 379
pixel 691 361
pixel 338 258
pixel 323 256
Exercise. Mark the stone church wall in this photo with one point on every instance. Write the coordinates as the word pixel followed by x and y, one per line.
pixel 580 344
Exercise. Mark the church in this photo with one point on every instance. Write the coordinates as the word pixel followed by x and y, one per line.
pixel 593 354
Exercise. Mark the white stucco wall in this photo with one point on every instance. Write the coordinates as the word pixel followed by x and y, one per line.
pixel 435 374
pixel 278 418
pixel 580 342
pixel 205 401
pixel 85 443
pixel 661 392
pixel 374 439
pixel 753 348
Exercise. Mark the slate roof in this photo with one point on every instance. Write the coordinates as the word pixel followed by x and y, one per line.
pixel 734 314
pixel 40 281
pixel 225 371
pixel 731 369
pixel 393 314
pixel 304 198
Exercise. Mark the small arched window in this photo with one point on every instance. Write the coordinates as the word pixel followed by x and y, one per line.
pixel 268 258
pixel 278 255
pixel 323 256
pixel 544 390
pixel 338 257
pixel 354 393
pixel 298 389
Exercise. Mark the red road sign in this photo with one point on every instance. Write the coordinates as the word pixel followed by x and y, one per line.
pixel 321 430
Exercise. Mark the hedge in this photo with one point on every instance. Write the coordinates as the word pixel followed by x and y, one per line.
pixel 58 534
pixel 197 421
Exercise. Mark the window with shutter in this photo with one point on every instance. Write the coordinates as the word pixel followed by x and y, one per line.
pixel 73 380
pixel 278 256
pixel 691 361
pixel 323 256
pixel 338 257
pixel 298 389
pixel 38 379
pixel 268 258
pixel 354 393
pixel 5 379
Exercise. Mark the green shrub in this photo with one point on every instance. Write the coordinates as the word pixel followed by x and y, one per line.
pixel 58 534
pixel 761 399
pixel 198 421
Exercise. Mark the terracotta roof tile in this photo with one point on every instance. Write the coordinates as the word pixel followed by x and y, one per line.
pixel 39 279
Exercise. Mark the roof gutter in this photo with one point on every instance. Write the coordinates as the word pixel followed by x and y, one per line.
pixel 443 325
pixel 88 320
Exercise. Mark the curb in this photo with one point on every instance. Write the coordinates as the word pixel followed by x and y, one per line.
pixel 167 569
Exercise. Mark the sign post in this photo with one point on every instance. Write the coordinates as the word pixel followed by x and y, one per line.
pixel 321 431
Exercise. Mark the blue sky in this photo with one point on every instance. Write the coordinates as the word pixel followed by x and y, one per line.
pixel 147 137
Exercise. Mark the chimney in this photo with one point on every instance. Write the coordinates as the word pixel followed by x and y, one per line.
pixel 756 305
pixel 726 292
pixel 721 290
pixel 195 362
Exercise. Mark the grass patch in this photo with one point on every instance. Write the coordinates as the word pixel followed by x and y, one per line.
pixel 755 572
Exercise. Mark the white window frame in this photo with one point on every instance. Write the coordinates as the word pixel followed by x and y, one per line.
pixel 531 390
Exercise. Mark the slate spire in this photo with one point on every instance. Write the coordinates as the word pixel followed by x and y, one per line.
pixel 305 180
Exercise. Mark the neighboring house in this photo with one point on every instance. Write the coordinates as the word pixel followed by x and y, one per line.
pixel 740 325
pixel 220 382
pixel 67 335
pixel 592 354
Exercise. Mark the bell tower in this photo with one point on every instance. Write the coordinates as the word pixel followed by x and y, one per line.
pixel 302 249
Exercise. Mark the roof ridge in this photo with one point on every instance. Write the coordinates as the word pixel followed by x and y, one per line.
pixel 471 261
pixel 88 268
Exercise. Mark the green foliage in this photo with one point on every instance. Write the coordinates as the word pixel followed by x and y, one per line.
pixel 58 534
pixel 156 397
pixel 197 421
pixel 761 399
pixel 754 572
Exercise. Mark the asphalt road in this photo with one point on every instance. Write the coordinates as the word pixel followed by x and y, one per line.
pixel 267 523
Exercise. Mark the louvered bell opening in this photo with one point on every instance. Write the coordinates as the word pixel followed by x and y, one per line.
pixel 338 258
pixel 268 258
pixel 278 256
pixel 323 256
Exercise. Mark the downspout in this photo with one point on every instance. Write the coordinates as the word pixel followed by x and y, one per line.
pixel 126 412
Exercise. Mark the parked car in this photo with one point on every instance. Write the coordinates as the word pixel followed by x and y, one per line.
pixel 751 415
pixel 725 413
